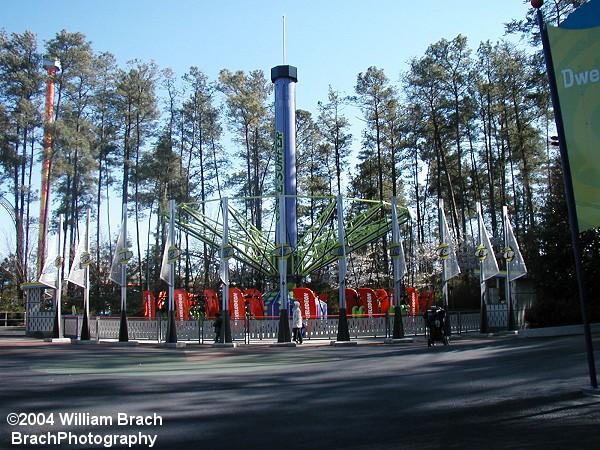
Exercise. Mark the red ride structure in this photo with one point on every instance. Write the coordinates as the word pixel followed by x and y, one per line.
pixel 52 66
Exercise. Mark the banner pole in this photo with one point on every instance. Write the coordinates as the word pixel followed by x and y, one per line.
pixel 123 331
pixel 171 337
pixel 397 261
pixel 570 197
pixel 511 322
pixel 85 327
pixel 484 324
pixel 343 334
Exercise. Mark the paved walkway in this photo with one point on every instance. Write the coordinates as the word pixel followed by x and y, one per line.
pixel 480 392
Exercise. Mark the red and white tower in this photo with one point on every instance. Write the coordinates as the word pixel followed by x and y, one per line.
pixel 52 66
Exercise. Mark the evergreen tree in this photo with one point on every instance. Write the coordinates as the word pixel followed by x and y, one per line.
pixel 425 87
pixel 21 124
pixel 73 163
pixel 336 138
pixel 251 119
pixel 313 172
pixel 105 151
pixel 205 158
pixel 553 268
pixel 137 113
pixel 375 98
pixel 311 167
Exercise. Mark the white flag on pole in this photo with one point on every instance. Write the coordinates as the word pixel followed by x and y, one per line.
pixel 397 250
pixel 225 250
pixel 402 260
pixel 341 243
pixel 446 249
pixel 485 252
pixel 165 267
pixel 224 270
pixel 119 257
pixel 77 272
pixel 512 254
pixel 49 275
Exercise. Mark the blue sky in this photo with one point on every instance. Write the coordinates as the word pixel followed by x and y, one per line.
pixel 329 41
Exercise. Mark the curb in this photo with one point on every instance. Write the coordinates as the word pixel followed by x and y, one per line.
pixel 568 330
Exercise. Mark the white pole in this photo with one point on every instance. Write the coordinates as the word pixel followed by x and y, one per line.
pixel 171 243
pixel 284 39
pixel 124 266
pixel 225 261
pixel 342 269
pixel 444 261
pixel 507 283
pixel 59 277
pixel 396 258
pixel 482 284
pixel 86 270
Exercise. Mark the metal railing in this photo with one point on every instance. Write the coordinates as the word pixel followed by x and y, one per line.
pixel 260 329
pixel 12 318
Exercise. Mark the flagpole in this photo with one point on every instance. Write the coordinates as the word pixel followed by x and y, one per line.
pixel 483 326
pixel 85 327
pixel 59 322
pixel 123 332
pixel 343 334
pixel 397 260
pixel 51 277
pixel 225 336
pixel 443 226
pixel 171 326
pixel 570 197
pixel 511 322
pixel 441 222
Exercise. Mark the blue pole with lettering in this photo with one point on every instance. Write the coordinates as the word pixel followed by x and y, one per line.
pixel 285 78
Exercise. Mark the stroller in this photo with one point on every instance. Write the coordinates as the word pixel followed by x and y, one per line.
pixel 435 318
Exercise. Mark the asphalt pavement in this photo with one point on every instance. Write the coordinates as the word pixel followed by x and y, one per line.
pixel 480 392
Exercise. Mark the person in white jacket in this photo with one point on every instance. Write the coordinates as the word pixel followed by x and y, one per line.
pixel 297 323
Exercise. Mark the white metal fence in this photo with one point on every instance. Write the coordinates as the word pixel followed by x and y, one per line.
pixel 107 327
pixel 39 320
pixel 12 318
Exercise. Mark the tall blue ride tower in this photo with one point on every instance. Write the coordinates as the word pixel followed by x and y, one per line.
pixel 285 78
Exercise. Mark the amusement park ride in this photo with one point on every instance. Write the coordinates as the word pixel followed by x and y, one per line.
pixel 286 246
pixel 277 252
pixel 281 252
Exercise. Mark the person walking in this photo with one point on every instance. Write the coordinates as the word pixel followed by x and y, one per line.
pixel 297 323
